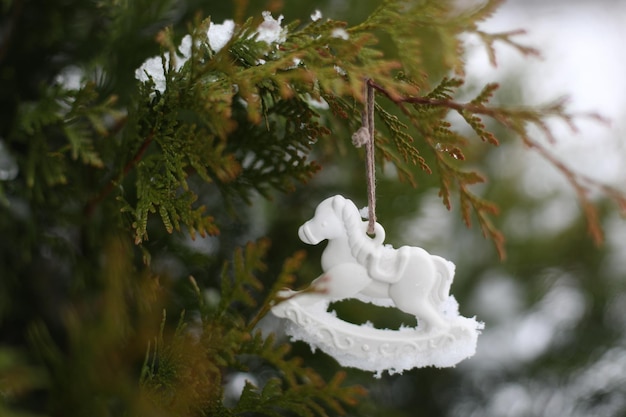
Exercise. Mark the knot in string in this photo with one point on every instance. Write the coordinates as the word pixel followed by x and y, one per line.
pixel 361 137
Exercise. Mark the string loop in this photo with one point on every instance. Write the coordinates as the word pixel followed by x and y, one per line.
pixel 365 136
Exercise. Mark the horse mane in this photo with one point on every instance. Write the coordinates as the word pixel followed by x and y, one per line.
pixel 360 244
pixel 390 261
pixel 347 211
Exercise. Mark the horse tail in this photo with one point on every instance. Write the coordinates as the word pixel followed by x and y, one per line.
pixel 445 275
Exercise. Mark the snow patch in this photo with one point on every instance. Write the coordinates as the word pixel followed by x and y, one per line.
pixel 340 33
pixel 270 30
pixel 220 34
pixel 315 16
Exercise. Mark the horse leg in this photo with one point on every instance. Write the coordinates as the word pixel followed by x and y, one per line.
pixel 339 282
pixel 412 294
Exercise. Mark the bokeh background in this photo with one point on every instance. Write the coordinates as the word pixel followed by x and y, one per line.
pixel 554 310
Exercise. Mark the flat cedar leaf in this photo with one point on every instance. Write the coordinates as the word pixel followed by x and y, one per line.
pixel 267 403
pixel 489 40
pixel 272 389
pixel 389 153
pixel 444 192
pixel 466 207
pixel 79 137
pixel 485 95
pixel 287 275
pixel 483 12
pixel 166 219
pixel 483 210
pixel 249 396
pixel 299 407
pixel 402 139
pixel 456 153
pixel 266 348
pixel 479 127
pixel 315 409
pixel 470 177
pixel 238 277
pixel 445 89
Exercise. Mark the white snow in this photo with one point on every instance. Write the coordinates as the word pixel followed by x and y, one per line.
pixel 317 103
pixel 185 47
pixel 340 33
pixel 317 15
pixel 340 71
pixel 70 77
pixel 220 34
pixel 235 385
pixel 153 68
pixel 270 30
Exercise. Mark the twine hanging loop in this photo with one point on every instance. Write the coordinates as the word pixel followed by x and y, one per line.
pixel 365 136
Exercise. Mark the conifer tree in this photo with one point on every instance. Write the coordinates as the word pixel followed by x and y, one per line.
pixel 156 158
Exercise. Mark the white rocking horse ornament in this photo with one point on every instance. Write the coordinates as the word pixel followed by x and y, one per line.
pixel 357 266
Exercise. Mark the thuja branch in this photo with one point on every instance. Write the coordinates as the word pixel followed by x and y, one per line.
pixel 513 118
pixel 470 107
pixel 517 120
pixel 108 188
pixel 489 39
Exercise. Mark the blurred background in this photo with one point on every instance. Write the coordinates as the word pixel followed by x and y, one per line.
pixel 554 310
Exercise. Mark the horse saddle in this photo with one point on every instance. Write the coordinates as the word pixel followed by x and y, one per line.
pixel 388 264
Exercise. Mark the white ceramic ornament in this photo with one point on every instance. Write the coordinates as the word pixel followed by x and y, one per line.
pixel 358 266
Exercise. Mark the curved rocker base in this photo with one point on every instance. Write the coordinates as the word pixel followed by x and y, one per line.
pixel 378 350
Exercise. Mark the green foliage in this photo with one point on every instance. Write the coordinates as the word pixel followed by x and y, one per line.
pixel 309 399
pixel 199 125
pixel 19 377
pixel 118 177
pixel 95 347
pixel 62 123
pixel 428 115
pixel 184 374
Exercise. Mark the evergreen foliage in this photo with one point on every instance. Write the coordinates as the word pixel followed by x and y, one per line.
pixel 116 176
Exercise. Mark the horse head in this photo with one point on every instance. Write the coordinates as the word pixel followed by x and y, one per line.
pixel 327 223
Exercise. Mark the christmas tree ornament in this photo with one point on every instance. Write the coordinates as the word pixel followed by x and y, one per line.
pixel 358 266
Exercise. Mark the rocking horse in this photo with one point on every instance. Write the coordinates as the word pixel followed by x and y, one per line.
pixel 356 265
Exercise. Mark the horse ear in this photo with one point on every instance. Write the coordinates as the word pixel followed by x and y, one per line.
pixel 347 209
pixel 338 202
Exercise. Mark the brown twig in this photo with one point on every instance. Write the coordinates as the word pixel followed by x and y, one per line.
pixel 450 104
